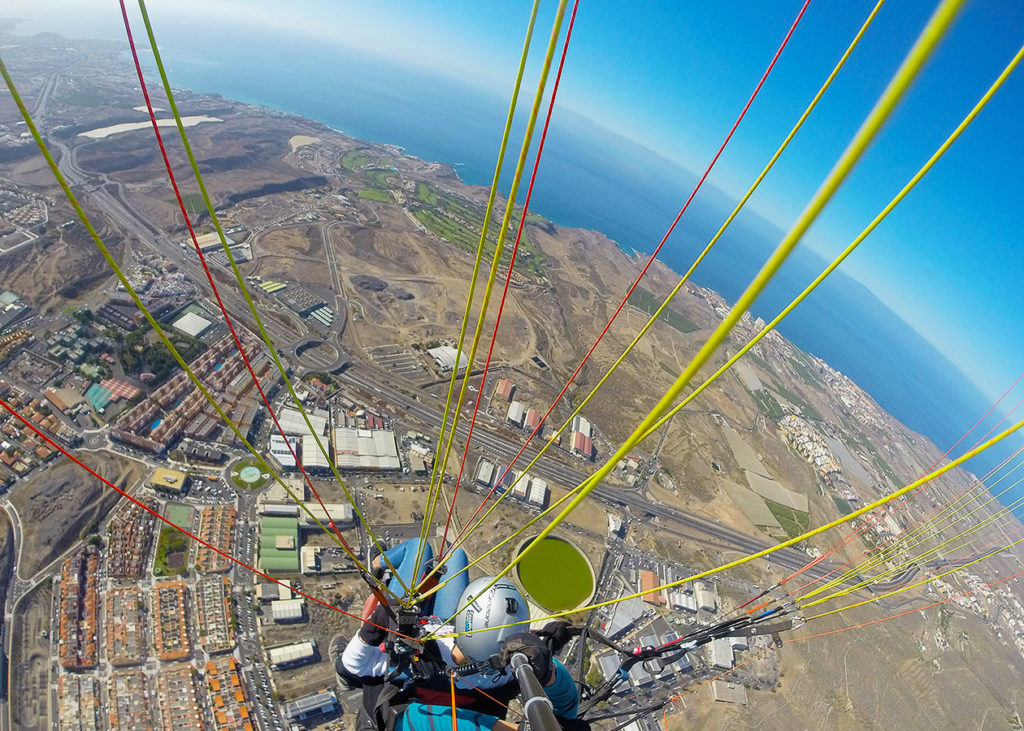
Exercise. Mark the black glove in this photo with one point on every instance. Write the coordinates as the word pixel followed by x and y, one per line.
pixel 572 724
pixel 557 633
pixel 374 635
pixel 536 651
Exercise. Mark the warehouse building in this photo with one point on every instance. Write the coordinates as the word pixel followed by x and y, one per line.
pixel 313 460
pixel 279 450
pixel 311 706
pixel 293 655
pixel 279 545
pixel 516 413
pixel 288 611
pixel 366 449
pixel 192 324
pixel 293 424
pixel 721 656
pixel 485 473
pixel 445 357
pixel 648 583
pixel 707 599
pixel 538 493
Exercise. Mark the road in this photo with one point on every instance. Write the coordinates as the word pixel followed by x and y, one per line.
pixel 687 524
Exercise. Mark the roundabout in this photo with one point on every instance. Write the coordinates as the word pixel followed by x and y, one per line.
pixel 248 475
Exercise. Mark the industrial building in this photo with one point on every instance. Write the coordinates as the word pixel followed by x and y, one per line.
pixel 311 706
pixel 366 449
pixel 683 602
pixel 309 559
pixel 167 480
pixel 582 445
pixel 616 527
pixel 582 425
pixel 288 611
pixel 282 454
pixel 532 419
pixel 504 389
pixel 485 473
pixel 293 424
pixel 648 583
pixel 445 357
pixel 192 324
pixel 538 493
pixel 639 676
pixel 279 545
pixel 341 513
pixel 720 653
pixel 207 242
pixel 289 656
pixel 625 615
pixel 516 413
pixel 313 460
pixel 707 598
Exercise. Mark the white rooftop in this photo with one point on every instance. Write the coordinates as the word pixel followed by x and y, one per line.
pixel 445 356
pixel 192 324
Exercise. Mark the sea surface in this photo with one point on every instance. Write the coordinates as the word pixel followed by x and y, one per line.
pixel 594 179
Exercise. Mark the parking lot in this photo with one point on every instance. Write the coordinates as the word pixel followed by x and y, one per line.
pixel 397 359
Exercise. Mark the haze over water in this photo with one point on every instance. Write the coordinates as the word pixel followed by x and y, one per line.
pixel 594 179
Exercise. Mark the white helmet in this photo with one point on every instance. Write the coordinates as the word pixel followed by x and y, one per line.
pixel 499 605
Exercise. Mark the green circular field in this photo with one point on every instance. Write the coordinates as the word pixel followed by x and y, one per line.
pixel 248 475
pixel 556 575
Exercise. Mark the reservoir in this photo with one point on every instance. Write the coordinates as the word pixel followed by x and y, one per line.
pixel 556 574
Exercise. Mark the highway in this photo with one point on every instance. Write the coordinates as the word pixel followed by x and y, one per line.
pixel 693 526
pixel 674 520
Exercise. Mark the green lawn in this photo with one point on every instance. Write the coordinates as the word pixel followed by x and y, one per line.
pixel 375 194
pixel 809 411
pixel 380 178
pixel 767 405
pixel 354 159
pixel 426 194
pixel 459 222
pixel 237 470
pixel 844 505
pixel 806 374
pixel 172 541
pixel 793 522
pixel 644 300
pixel 194 202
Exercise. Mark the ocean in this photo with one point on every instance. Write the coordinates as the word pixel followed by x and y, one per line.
pixel 595 179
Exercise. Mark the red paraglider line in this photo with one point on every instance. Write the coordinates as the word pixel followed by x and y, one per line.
pixel 647 266
pixel 209 277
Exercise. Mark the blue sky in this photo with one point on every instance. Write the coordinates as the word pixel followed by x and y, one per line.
pixel 673 76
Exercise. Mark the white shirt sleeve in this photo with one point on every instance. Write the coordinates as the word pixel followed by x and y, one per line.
pixel 484 681
pixel 364 660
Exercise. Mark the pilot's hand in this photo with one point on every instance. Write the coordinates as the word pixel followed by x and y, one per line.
pixel 374 628
pixel 557 633
pixel 536 651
